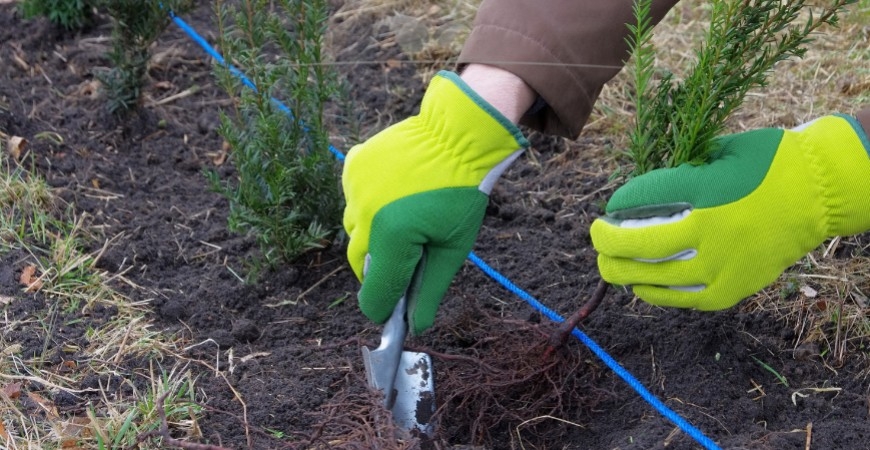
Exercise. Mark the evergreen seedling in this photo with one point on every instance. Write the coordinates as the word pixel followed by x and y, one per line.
pixel 676 121
pixel 286 193
pixel 69 14
pixel 136 26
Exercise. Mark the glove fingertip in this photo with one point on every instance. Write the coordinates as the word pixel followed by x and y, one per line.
pixel 422 322
pixel 424 306
pixel 377 308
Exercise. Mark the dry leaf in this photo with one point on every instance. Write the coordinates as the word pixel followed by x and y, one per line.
pixel 809 292
pixel 74 430
pixel 12 390
pixel 67 366
pixel 44 403
pixel 5 300
pixel 27 275
pixel 15 146
pixel 90 89
pixel 164 85
pixel 11 350
pixel 3 434
pixel 29 279
pixel 393 63
pixel 221 157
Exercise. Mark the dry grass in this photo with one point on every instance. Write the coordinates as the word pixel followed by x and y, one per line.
pixel 45 400
pixel 834 75
pixel 430 33
pixel 825 298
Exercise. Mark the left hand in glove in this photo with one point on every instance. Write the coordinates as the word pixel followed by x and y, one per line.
pixel 707 236
pixel 416 197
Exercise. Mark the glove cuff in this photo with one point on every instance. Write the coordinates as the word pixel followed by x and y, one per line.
pixel 839 154
pixel 465 128
pixel 450 102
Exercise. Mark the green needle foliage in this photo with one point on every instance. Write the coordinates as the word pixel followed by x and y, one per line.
pixel 286 193
pixel 69 14
pixel 137 24
pixel 676 121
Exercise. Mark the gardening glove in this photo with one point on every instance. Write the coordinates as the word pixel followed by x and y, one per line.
pixel 421 187
pixel 707 236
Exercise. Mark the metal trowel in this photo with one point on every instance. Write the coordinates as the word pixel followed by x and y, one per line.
pixel 406 378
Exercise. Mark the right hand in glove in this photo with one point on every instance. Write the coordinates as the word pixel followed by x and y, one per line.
pixel 416 195
pixel 707 236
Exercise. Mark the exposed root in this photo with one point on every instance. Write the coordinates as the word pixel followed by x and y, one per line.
pixel 356 419
pixel 504 381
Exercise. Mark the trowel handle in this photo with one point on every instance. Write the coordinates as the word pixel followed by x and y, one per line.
pixel 382 363
pixel 396 327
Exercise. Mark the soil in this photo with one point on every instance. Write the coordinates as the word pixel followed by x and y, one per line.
pixel 290 374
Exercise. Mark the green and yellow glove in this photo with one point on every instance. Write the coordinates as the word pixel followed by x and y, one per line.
pixel 421 187
pixel 705 237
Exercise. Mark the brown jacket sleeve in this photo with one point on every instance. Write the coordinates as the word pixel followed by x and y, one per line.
pixel 564 49
pixel 864 117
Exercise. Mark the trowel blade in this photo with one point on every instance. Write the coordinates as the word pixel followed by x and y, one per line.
pixel 414 390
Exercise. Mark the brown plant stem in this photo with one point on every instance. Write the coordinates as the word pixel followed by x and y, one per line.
pixel 560 336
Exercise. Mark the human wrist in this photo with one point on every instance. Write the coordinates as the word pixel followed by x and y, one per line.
pixel 863 117
pixel 506 92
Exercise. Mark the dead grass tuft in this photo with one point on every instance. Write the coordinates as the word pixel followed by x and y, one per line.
pixel 73 390
pixel 826 300
pixel 429 33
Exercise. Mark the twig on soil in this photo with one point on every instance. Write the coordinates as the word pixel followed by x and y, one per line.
pixel 163 432
pixel 305 292
pixel 185 93
pixel 319 282
pixel 534 419
pixel 809 436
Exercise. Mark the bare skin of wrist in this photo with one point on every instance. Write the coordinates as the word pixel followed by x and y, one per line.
pixel 506 92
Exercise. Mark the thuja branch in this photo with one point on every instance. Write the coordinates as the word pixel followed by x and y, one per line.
pixel 676 122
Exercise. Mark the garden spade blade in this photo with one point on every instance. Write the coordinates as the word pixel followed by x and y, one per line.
pixel 406 378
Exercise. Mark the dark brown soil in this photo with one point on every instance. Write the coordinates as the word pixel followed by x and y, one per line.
pixel 292 375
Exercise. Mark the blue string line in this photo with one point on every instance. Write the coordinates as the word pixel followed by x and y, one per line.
pixel 600 353
pixel 498 277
